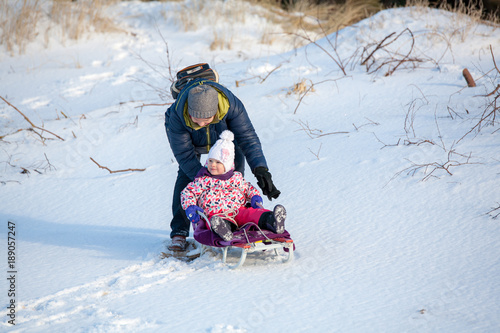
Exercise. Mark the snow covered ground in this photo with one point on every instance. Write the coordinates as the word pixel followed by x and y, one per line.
pixel 387 239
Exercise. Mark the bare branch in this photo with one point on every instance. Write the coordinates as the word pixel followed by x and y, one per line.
pixel 144 105
pixel 336 59
pixel 371 122
pixel 315 133
pixel 316 154
pixel 430 168
pixel 114 171
pixel 379 46
pixel 494 62
pixel 49 165
pixel 31 123
pixel 495 211
pixel 262 79
pixel 392 57
pixel 22 114
pixel 311 88
pixel 491 93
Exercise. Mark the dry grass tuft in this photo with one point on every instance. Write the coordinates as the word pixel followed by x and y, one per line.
pixel 80 17
pixel 473 10
pixel 331 16
pixel 304 15
pixel 22 21
pixel 320 18
pixel 18 23
pixel 301 88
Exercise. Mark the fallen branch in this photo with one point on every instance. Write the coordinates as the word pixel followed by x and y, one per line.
pixel 114 171
pixel 379 46
pixel 300 89
pixel 429 168
pixel 494 61
pixel 495 210
pixel 315 133
pixel 316 154
pixel 22 114
pixel 405 58
pixel 385 144
pixel 371 122
pixel 304 93
pixel 49 165
pixel 44 130
pixel 3 136
pixel 262 79
pixel 143 105
pixel 335 57
pixel 30 122
pixel 390 57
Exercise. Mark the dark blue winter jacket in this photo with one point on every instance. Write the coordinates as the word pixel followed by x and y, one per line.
pixel 188 141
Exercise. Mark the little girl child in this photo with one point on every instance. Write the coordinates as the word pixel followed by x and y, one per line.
pixel 223 193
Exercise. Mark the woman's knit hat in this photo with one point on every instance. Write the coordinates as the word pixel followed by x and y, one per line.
pixel 223 150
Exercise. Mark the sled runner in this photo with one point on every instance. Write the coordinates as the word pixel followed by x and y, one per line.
pixel 248 239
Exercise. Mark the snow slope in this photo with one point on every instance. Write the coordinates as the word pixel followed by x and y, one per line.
pixel 382 245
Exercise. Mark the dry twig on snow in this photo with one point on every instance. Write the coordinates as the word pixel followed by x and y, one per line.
pixel 333 55
pixel 392 58
pixel 114 171
pixel 494 212
pixel 144 105
pixel 262 79
pixel 31 123
pixel 430 168
pixel 315 133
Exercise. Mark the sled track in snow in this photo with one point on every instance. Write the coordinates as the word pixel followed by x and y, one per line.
pixel 90 301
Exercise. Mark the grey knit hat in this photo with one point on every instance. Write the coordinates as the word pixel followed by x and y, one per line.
pixel 203 102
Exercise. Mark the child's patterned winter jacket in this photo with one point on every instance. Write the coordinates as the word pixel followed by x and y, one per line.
pixel 215 196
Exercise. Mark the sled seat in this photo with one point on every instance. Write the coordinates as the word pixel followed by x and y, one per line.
pixel 248 238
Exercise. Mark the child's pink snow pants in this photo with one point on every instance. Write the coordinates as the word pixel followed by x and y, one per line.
pixel 245 215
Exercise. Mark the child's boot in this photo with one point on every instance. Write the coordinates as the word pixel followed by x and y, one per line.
pixel 221 227
pixel 275 220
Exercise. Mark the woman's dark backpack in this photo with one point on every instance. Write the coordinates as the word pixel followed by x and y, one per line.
pixel 186 75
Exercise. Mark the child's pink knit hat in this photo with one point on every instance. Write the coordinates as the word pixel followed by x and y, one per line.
pixel 223 150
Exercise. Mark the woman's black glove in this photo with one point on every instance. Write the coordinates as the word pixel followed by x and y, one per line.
pixel 265 182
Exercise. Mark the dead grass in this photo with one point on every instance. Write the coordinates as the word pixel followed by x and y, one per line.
pixel 472 11
pixel 318 19
pixel 304 15
pixel 80 17
pixel 18 23
pixel 330 17
pixel 325 18
pixel 22 21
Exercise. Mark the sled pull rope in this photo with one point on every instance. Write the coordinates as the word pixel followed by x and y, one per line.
pixel 202 214
pixel 255 224
pixel 226 216
pixel 223 215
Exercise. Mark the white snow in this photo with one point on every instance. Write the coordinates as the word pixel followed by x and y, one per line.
pixel 381 246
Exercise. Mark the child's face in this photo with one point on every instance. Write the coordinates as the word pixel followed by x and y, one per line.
pixel 215 167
